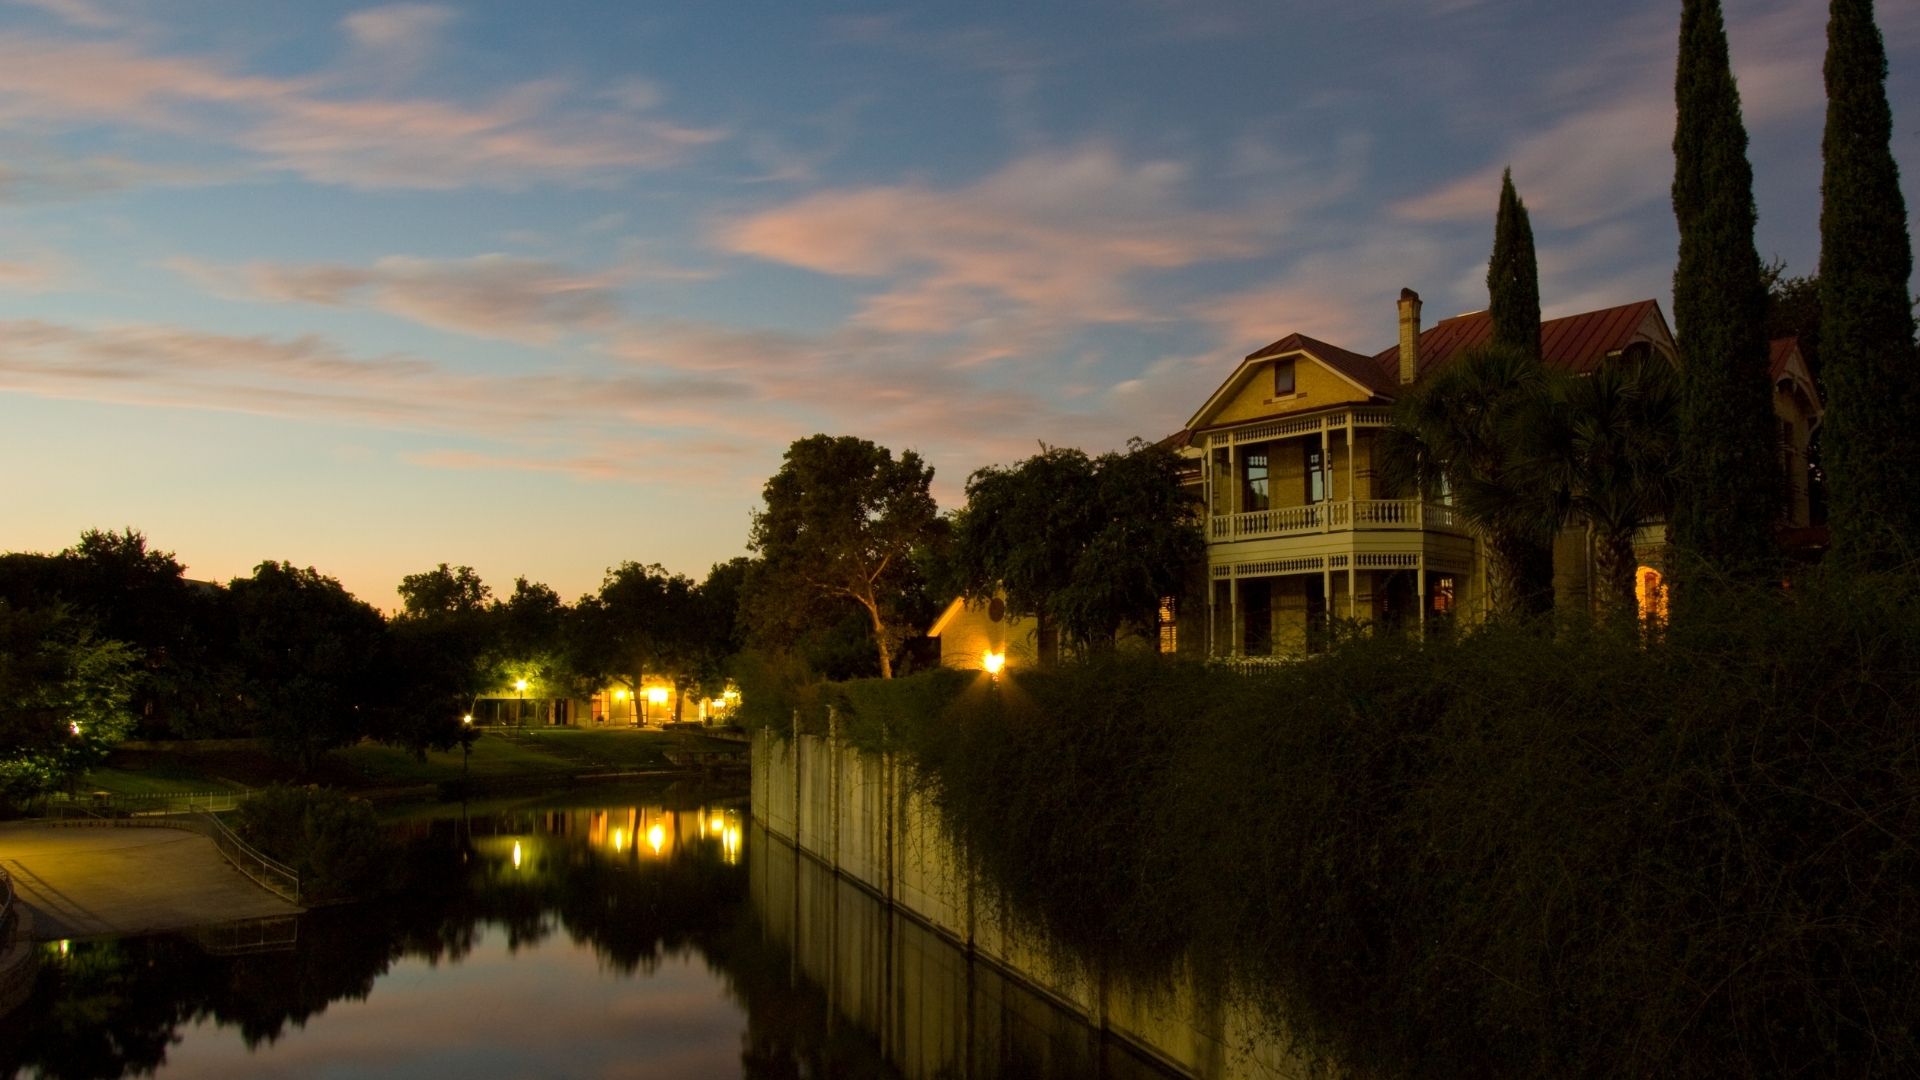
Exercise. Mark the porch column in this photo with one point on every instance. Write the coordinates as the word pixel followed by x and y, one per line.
pixel 1233 624
pixel 1353 454
pixel 1352 576
pixel 1213 607
pixel 1326 476
pixel 1326 589
pixel 1421 590
pixel 1233 479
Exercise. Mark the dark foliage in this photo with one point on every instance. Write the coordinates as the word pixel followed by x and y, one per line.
pixel 1510 853
pixel 1871 433
pixel 333 840
pixel 1513 276
pixel 1728 500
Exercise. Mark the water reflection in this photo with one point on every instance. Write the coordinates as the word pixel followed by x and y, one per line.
pixel 652 938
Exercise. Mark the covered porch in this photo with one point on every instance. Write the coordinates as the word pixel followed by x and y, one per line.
pixel 1290 608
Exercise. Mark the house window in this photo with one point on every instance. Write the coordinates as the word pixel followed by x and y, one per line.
pixel 1316 474
pixel 1650 589
pixel 1169 628
pixel 1255 491
pixel 1282 378
pixel 1441 589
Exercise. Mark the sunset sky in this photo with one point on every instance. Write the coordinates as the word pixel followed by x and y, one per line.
pixel 542 287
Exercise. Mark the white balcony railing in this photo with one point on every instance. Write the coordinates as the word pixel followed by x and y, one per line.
pixel 1326 517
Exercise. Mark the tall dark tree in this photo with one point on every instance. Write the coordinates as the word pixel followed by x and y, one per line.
pixel 312 658
pixel 1513 275
pixel 1085 545
pixel 843 517
pixel 1024 530
pixel 1728 500
pixel 1871 435
pixel 437 657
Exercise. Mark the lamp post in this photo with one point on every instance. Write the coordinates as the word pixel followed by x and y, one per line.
pixel 656 695
pixel 466 746
pixel 520 709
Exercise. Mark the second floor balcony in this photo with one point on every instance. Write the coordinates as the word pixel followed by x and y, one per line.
pixel 1348 515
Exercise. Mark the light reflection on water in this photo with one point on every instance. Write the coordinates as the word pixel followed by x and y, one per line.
pixel 627 940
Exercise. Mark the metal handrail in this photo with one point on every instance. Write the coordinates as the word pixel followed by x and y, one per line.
pixel 6 907
pixel 269 873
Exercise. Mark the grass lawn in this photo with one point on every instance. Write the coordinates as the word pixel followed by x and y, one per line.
pixel 520 752
pixel 176 780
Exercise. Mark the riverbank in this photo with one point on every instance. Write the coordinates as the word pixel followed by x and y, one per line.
pixel 501 761
pixel 1522 851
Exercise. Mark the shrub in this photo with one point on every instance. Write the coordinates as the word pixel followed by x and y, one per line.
pixel 1515 851
pixel 333 840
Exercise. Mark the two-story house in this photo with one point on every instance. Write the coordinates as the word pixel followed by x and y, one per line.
pixel 1302 528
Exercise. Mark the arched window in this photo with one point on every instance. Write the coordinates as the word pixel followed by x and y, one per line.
pixel 1650 589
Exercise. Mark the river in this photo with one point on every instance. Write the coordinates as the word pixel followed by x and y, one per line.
pixel 639 934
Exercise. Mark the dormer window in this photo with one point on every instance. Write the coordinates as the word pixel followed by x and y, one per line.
pixel 1282 378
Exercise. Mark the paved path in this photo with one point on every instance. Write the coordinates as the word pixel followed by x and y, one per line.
pixel 87 882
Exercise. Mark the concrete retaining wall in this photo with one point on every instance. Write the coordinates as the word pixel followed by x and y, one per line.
pixel 859 815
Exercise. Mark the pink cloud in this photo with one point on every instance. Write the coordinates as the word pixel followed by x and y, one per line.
pixel 527 134
pixel 1064 232
pixel 495 296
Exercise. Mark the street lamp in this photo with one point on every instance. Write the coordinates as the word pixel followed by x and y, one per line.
pixel 466 745
pixel 656 695
pixel 993 662
pixel 520 710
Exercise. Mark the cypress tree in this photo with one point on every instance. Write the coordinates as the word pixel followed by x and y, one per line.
pixel 1513 304
pixel 1513 277
pixel 1729 497
pixel 1871 434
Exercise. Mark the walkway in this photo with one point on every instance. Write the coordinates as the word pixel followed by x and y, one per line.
pixel 87 882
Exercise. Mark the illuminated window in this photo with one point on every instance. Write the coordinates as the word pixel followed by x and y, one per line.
pixel 1169 630
pixel 1282 378
pixel 1441 588
pixel 1650 590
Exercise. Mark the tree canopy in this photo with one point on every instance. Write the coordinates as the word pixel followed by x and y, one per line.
pixel 842 518
pixel 1084 545
pixel 1729 499
pixel 1871 432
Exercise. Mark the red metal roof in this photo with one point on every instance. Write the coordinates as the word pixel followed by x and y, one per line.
pixel 1782 350
pixel 1576 343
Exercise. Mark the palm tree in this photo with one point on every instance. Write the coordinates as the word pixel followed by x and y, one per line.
pixel 1604 448
pixel 1463 435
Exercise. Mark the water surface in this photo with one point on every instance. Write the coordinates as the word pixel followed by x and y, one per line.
pixel 620 938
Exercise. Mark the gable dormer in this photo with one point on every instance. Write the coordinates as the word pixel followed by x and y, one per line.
pixel 1293 375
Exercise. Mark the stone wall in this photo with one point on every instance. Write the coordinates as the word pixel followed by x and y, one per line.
pixel 871 829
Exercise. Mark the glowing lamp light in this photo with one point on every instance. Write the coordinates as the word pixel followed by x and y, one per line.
pixel 718 824
pixel 992 662
pixel 657 695
pixel 75 726
pixel 516 854
pixel 619 839
pixel 619 695
pixel 656 837
pixel 520 685
pixel 467 719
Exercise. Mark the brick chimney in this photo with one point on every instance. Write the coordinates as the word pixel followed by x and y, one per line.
pixel 1409 336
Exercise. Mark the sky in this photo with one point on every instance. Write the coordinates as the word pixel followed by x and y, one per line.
pixel 543 288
